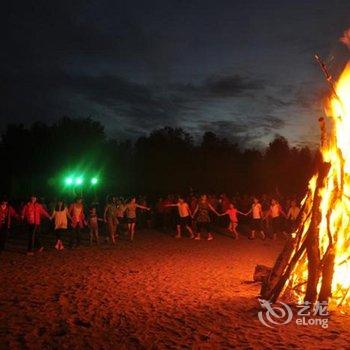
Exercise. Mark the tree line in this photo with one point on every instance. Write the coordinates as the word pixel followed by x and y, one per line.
pixel 37 157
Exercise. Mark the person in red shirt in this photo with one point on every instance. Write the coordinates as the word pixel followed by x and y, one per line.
pixel 32 213
pixel 232 212
pixel 6 215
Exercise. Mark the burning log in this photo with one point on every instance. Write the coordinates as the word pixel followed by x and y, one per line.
pixel 327 275
pixel 291 253
pixel 269 288
pixel 323 129
pixel 312 248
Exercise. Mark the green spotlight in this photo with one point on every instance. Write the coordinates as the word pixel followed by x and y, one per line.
pixel 68 181
pixel 79 180
pixel 94 181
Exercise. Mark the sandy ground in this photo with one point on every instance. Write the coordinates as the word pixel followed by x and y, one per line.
pixel 154 293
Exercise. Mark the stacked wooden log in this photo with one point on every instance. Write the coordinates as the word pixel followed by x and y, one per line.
pixel 293 250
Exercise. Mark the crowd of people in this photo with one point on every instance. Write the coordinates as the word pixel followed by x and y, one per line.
pixel 196 216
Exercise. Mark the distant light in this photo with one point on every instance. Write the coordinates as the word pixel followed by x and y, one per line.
pixel 68 181
pixel 78 180
pixel 94 181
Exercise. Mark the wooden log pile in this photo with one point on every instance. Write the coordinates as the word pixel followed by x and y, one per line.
pixel 305 240
pixel 300 244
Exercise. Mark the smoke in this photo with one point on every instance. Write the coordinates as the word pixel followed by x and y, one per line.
pixel 345 39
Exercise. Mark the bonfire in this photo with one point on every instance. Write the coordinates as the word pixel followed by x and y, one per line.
pixel 314 265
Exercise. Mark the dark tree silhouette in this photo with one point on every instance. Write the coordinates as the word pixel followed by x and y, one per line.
pixel 37 157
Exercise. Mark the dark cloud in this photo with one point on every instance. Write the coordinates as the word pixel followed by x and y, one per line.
pixel 276 101
pixel 143 105
pixel 231 86
pixel 271 123
pixel 245 132
pixel 238 67
pixel 310 97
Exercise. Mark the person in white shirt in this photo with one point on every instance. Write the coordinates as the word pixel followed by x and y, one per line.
pixel 275 213
pixel 257 216
pixel 60 216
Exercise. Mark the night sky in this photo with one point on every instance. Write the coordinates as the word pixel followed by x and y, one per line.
pixel 243 69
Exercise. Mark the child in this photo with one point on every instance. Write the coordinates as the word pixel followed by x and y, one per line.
pixel 60 215
pixel 184 217
pixel 232 213
pixel 93 224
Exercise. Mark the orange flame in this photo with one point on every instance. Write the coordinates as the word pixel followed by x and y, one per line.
pixel 335 200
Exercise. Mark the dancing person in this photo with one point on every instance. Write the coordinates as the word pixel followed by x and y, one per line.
pixel 257 216
pixel 110 218
pixel 275 213
pixel 130 211
pixel 292 216
pixel 93 220
pixel 32 214
pixel 120 216
pixel 76 212
pixel 60 216
pixel 202 217
pixel 232 212
pixel 6 215
pixel 184 217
